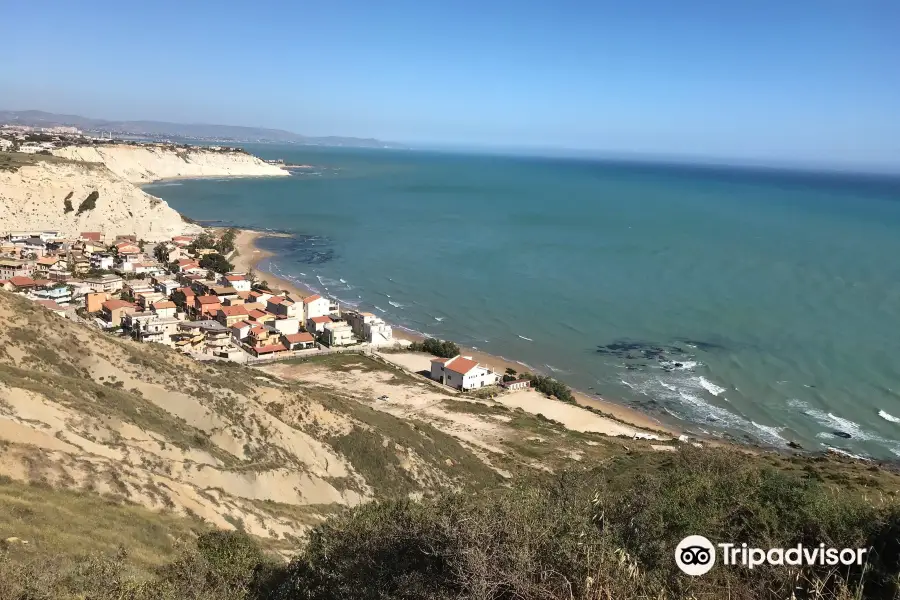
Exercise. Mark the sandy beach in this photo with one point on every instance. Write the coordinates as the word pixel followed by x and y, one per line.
pixel 249 256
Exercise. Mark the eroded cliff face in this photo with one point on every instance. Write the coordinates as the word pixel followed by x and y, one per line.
pixel 35 197
pixel 34 194
pixel 143 164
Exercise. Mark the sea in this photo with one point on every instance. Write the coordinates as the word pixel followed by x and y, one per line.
pixel 759 305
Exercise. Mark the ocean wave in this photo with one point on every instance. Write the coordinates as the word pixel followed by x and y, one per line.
pixel 847 454
pixel 888 417
pixel 709 386
pixel 395 304
pixel 342 280
pixel 439 319
pixel 686 365
pixel 526 339
pixel 379 308
pixel 557 370
pixel 831 421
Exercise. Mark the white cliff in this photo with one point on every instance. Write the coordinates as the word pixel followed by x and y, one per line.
pixel 143 164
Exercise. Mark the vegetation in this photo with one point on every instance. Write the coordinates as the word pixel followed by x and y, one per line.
pixel 600 534
pixel 161 253
pixel 225 243
pixel 67 203
pixel 89 203
pixel 549 386
pixel 441 348
pixel 216 262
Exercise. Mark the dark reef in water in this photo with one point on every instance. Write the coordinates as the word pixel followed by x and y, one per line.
pixel 301 248
pixel 639 354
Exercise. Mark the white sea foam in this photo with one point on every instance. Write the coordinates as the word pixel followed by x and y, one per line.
pixel 342 280
pixel 439 319
pixel 379 308
pixel 888 417
pixel 526 339
pixel 709 386
pixel 395 304
pixel 848 454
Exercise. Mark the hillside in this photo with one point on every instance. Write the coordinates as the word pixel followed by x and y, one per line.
pixel 143 164
pixel 122 464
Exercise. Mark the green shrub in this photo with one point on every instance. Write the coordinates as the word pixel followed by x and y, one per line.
pixel 216 262
pixel 441 348
pixel 88 203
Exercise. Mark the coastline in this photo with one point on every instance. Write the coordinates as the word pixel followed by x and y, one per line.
pixel 249 256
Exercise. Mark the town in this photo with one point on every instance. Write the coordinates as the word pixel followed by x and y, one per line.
pixel 184 293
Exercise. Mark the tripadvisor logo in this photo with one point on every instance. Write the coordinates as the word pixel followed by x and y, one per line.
pixel 696 555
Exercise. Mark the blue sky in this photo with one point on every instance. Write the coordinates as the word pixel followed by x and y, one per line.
pixel 796 80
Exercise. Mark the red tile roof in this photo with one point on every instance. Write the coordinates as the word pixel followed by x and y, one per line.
pixel 48 260
pixel 116 304
pixel 243 295
pixel 42 282
pixel 184 261
pixel 324 319
pixel 234 311
pixel 208 299
pixel 258 314
pixel 276 300
pixel 241 325
pixel 94 236
pixel 296 338
pixel 312 298
pixel 461 365
pixel 164 304
pixel 20 281
pixel 51 304
pixel 270 349
pixel 439 360
pixel 234 278
pixel 188 292
pixel 254 306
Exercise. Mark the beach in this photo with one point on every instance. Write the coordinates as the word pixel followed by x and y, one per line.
pixel 249 256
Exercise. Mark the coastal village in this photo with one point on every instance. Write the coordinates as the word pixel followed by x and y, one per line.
pixel 184 293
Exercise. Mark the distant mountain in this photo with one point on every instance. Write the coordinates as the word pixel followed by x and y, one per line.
pixel 196 131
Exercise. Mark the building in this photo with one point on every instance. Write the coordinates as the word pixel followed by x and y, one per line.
pixel 114 311
pixel 208 336
pixel 52 306
pixel 229 315
pixel 21 284
pixel 317 324
pixel 151 327
pixel 91 236
pixel 102 261
pixel 285 307
pixel 205 307
pixel 338 334
pixel 93 301
pixel 238 282
pixel 286 325
pixel 241 330
pixel 369 327
pixel 298 341
pixel 61 294
pixel 461 372
pixel 11 267
pixel 164 308
pixel 108 283
pixel 518 384
pixel 52 267
pixel 316 306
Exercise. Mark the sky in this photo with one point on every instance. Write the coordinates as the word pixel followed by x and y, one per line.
pixel 756 80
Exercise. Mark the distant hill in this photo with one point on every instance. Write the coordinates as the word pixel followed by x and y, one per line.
pixel 202 131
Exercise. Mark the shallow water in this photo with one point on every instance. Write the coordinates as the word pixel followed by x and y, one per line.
pixel 762 303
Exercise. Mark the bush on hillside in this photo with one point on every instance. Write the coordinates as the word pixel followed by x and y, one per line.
pixel 88 203
pixel 67 203
pixel 550 386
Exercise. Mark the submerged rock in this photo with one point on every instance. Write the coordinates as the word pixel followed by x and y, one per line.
pixel 841 434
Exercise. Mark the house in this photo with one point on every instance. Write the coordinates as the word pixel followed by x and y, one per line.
pixel 11 267
pixel 259 296
pixel 229 315
pixel 164 308
pixel 223 292
pixel 102 261
pixel 315 306
pixel 164 285
pixel 79 264
pixel 240 330
pixel 298 341
pixel 286 325
pixel 209 336
pixel 52 306
pixel 151 327
pixel 128 251
pixel 21 284
pixel 182 241
pixel 272 350
pixel 91 236
pixel 259 316
pixel 461 372
pixel 93 301
pixel 31 247
pixel 47 265
pixel 61 294
pixel 115 310
pixel 261 335
pixel 338 334
pixel 516 384
pixel 369 327
pixel 238 282
pixel 317 324
pixel 285 307
pixel 205 307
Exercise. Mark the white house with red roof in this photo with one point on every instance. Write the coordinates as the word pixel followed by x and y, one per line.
pixel 462 373
pixel 315 306
pixel 238 282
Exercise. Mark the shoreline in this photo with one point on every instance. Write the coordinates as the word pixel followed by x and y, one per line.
pixel 249 256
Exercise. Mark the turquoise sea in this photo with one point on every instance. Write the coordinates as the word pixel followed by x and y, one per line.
pixel 761 304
